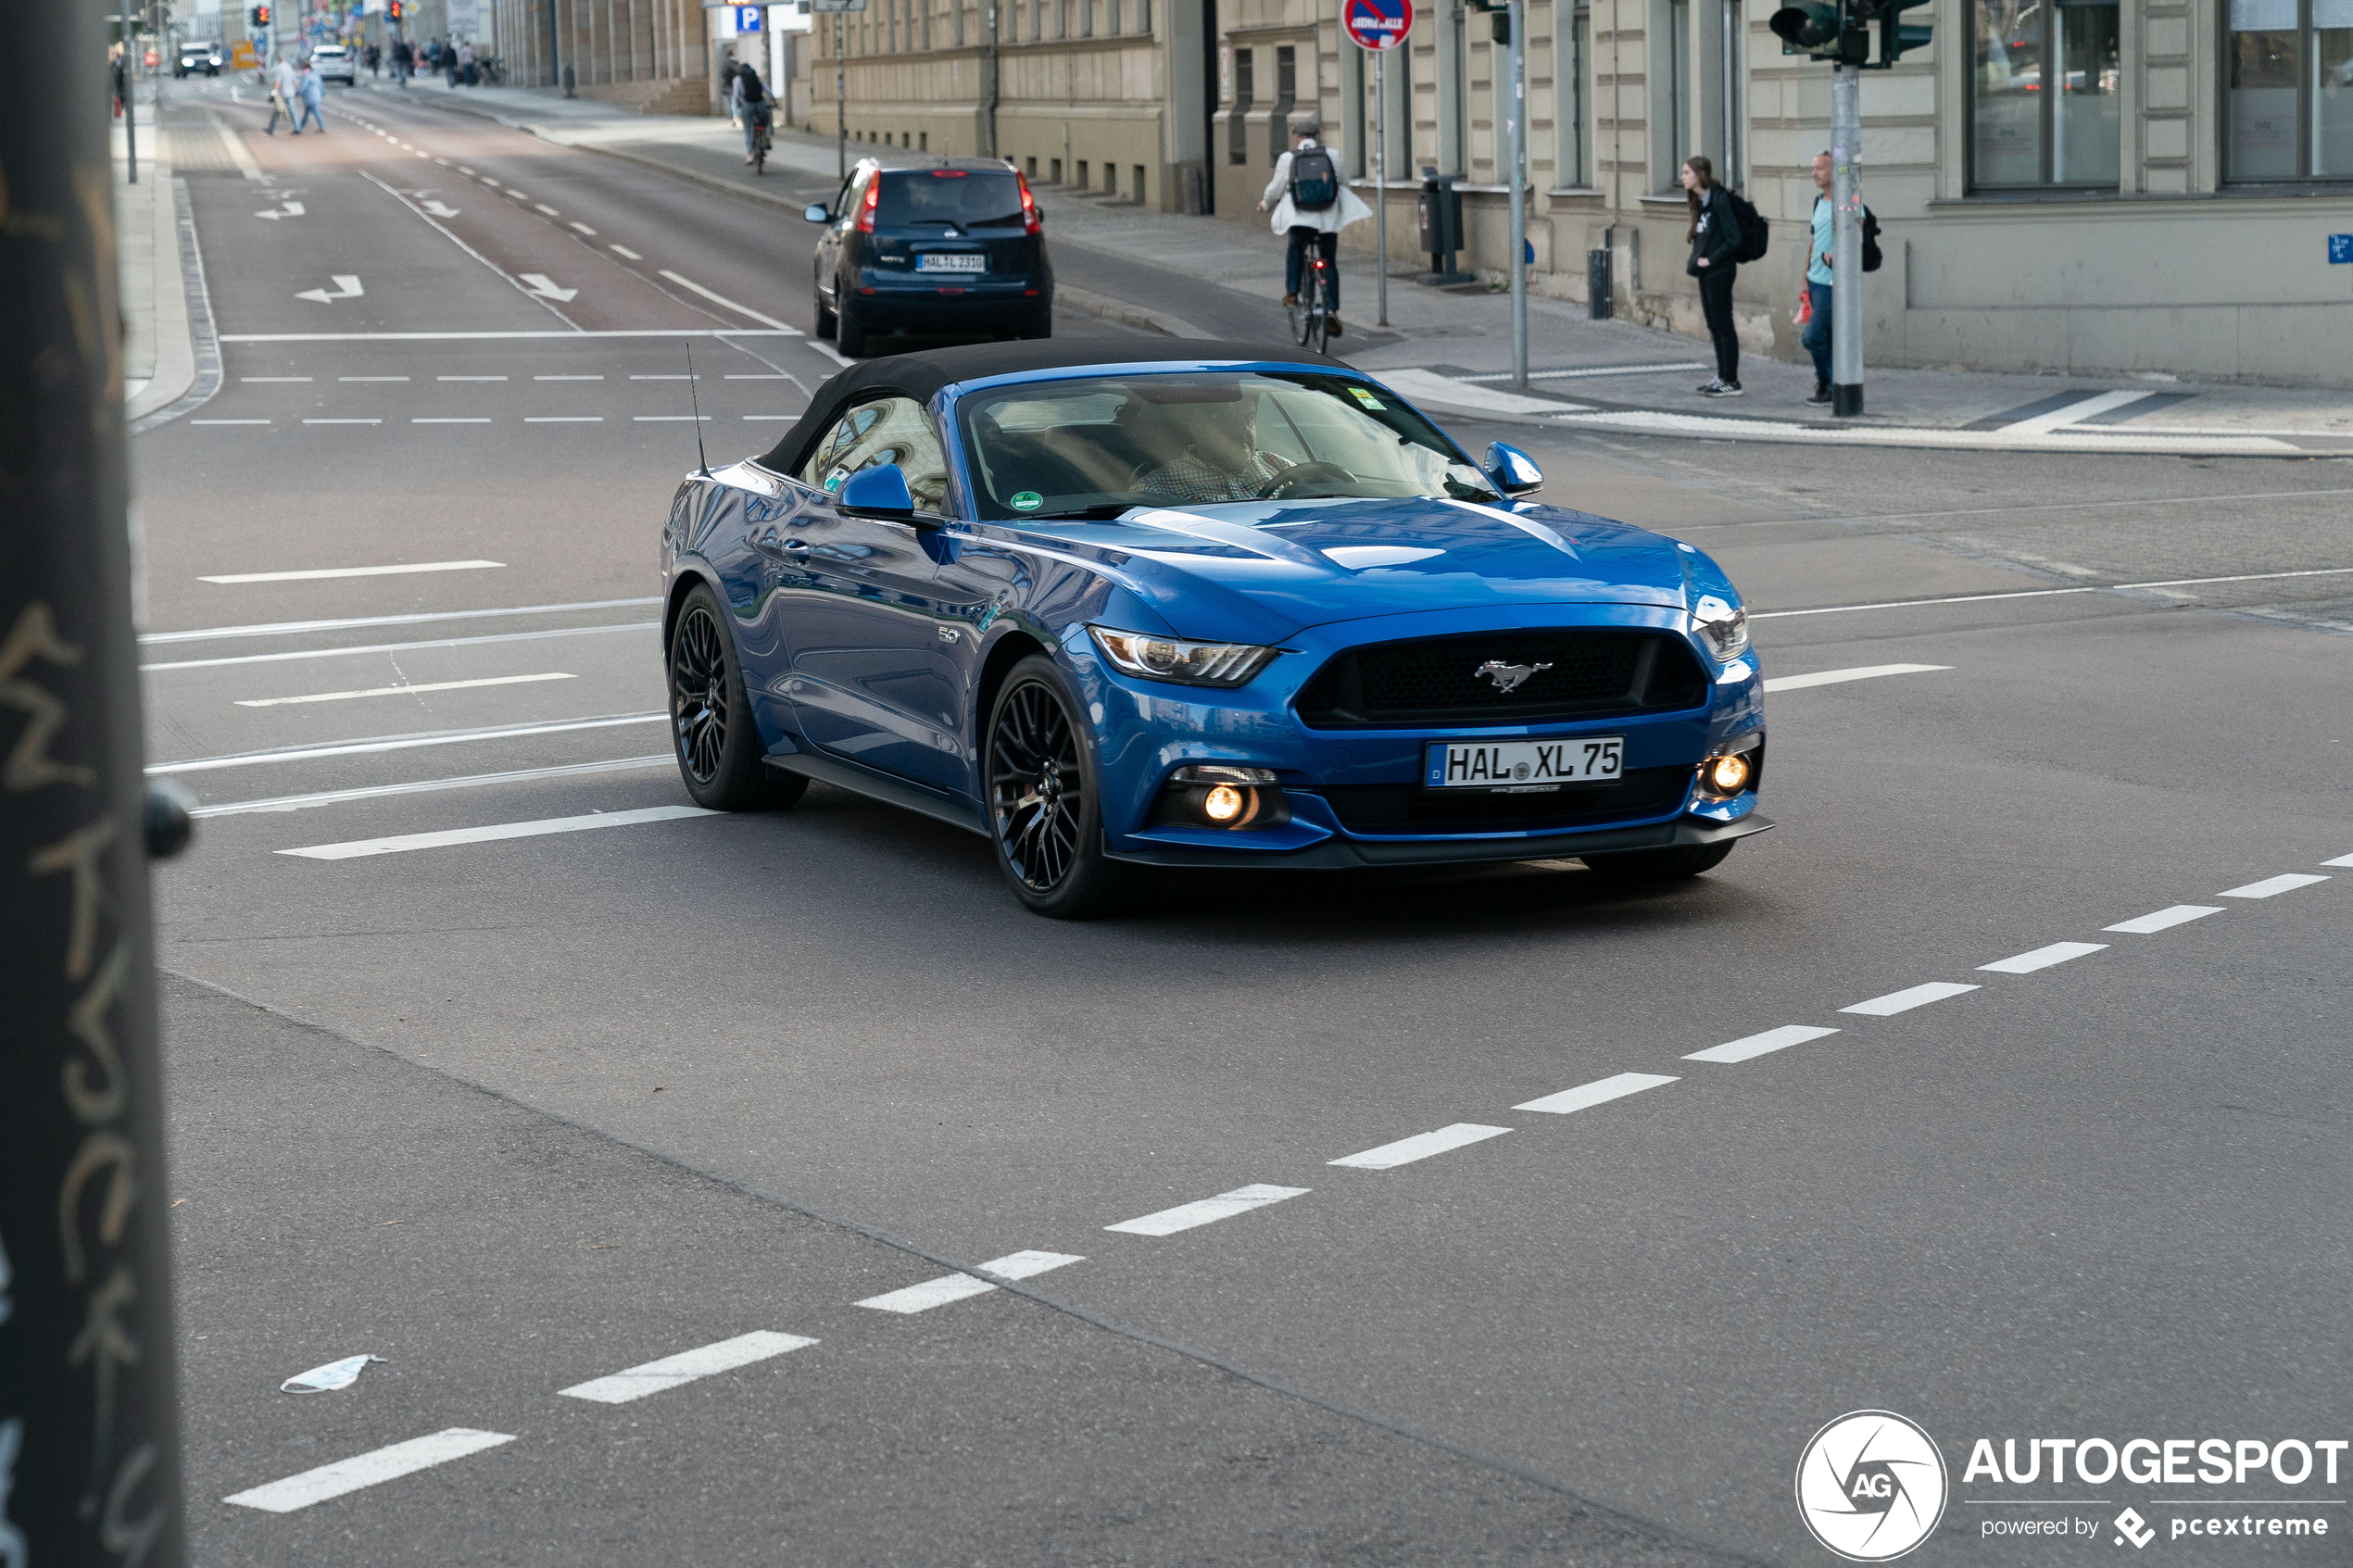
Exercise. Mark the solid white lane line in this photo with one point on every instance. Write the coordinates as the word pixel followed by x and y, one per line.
pixel 625 250
pixel 401 691
pixel 368 1470
pixel 1599 1092
pixel 1404 1151
pixel 399 648
pixel 2042 958
pixel 1904 1001
pixel 296 628
pixel 401 844
pixel 1207 1210
pixel 685 1367
pixel 1835 677
pixel 723 299
pixel 2165 919
pixel 427 786
pixel 2286 883
pixel 314 573
pixel 956 1287
pixel 398 742
pixel 1788 1035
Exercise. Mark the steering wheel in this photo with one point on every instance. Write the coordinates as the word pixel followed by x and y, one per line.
pixel 1300 473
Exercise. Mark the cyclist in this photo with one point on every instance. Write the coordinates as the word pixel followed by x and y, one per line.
pixel 1311 205
pixel 748 101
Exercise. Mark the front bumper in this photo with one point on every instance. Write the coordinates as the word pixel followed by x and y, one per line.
pixel 1356 854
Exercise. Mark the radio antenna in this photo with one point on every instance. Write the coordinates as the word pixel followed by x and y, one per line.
pixel 695 401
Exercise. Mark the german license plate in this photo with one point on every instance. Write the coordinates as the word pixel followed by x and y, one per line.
pixel 951 261
pixel 1524 764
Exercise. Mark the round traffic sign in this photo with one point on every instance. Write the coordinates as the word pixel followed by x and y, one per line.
pixel 1377 24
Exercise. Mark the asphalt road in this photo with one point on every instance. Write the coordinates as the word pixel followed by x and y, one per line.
pixel 523 1114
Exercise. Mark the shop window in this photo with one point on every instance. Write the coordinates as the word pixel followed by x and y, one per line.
pixel 2290 115
pixel 2043 106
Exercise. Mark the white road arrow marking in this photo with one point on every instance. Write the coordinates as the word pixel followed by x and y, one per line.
pixel 438 207
pixel 345 281
pixel 545 286
pixel 291 208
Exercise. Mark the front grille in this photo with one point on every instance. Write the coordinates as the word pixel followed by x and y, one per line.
pixel 1596 672
pixel 1409 808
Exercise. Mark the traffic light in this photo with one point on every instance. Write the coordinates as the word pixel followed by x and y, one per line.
pixel 261 16
pixel 1822 31
pixel 1895 37
pixel 392 10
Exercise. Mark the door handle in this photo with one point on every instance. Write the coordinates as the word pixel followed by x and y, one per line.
pixel 798 546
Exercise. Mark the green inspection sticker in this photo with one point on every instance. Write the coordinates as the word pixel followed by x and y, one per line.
pixel 1367 399
pixel 1027 501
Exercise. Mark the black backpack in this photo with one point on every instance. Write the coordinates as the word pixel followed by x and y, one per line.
pixel 1753 234
pixel 1314 180
pixel 1871 254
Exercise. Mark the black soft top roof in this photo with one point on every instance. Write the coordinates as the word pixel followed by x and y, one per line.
pixel 921 376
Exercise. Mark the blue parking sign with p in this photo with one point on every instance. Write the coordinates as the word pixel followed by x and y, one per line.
pixel 747 18
pixel 1377 24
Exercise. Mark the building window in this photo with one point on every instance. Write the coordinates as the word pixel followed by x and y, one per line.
pixel 1082 182
pixel 1732 158
pixel 1140 184
pixel 1285 95
pixel 2023 133
pixel 2291 90
pixel 1570 49
pixel 1679 90
pixel 1237 125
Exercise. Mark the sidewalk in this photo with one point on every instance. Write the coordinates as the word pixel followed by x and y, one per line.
pixel 169 354
pixel 1213 279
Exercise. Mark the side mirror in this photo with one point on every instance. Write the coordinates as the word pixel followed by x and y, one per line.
pixel 1514 472
pixel 878 492
pixel 815 213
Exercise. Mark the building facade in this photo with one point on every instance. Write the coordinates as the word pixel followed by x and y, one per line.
pixel 2090 186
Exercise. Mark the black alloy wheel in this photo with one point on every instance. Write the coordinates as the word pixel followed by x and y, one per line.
pixel 711 731
pixel 1044 808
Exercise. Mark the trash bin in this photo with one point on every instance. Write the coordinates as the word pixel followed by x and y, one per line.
pixel 1600 293
pixel 1440 217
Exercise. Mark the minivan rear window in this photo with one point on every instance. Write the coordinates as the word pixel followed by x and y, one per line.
pixel 969 198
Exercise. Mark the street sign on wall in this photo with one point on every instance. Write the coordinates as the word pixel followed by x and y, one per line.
pixel 747 18
pixel 2340 249
pixel 1377 24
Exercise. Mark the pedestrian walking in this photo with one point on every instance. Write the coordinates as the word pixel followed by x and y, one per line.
pixel 314 93
pixel 449 61
pixel 1311 205
pixel 466 61
pixel 121 80
pixel 1819 277
pixel 282 85
pixel 375 63
pixel 1716 245
pixel 727 74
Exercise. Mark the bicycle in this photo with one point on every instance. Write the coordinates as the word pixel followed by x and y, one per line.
pixel 1310 323
pixel 494 71
pixel 761 122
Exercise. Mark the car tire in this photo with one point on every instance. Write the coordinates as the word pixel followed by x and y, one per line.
pixel 711 731
pixel 1657 865
pixel 1041 787
pixel 850 334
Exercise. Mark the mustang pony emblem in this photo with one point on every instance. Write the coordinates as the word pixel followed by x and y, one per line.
pixel 1508 678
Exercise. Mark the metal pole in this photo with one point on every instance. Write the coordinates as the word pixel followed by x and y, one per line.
pixel 1518 174
pixel 89 1444
pixel 841 108
pixel 1380 182
pixel 131 97
pixel 1847 242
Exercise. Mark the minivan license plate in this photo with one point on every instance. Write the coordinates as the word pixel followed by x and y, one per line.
pixel 1524 764
pixel 951 261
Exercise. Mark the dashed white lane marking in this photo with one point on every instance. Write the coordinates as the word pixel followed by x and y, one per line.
pixel 368 1470
pixel 401 691
pixel 299 628
pixel 564 419
pixel 2164 920
pixel 2042 958
pixel 671 1372
pixel 956 1287
pixel 1760 1045
pixel 342 421
pixel 1207 1210
pixel 470 378
pixel 1404 1151
pixel 625 250
pixel 668 419
pixel 453 419
pixel 2340 860
pixel 2286 883
pixel 763 375
pixel 723 299
pixel 359 848
pixel 543 206
pixel 371 378
pixel 776 417
pixel 273 378
pixel 1835 677
pixel 1904 1001
pixel 1599 1092
pixel 359 648
pixel 680 377
pixel 567 378
pixel 830 352
pixel 427 786
pixel 398 742
pixel 313 574
pixel 582 227
pixel 227 422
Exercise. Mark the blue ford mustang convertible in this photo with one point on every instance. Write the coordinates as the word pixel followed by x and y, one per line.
pixel 1211 606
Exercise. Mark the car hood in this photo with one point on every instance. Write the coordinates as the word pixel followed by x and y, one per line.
pixel 1261 571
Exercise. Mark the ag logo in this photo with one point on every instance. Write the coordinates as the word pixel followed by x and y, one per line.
pixel 1871 1485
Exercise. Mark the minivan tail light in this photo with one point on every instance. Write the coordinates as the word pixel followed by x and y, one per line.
pixel 866 208
pixel 1028 205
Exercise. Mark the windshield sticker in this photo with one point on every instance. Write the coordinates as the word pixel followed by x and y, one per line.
pixel 1026 501
pixel 1367 399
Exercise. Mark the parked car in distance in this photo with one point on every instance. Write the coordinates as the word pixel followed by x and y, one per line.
pixel 335 64
pixel 948 245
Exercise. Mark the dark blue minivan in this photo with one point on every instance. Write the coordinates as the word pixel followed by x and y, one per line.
pixel 951 246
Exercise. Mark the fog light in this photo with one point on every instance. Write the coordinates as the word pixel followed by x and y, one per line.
pixel 1725 775
pixel 1223 804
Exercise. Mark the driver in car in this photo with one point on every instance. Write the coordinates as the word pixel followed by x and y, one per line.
pixel 1222 461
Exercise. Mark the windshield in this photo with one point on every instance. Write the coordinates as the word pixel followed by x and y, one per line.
pixel 1099 445
pixel 967 198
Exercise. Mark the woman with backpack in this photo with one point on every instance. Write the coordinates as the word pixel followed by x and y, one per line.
pixel 1716 249
pixel 1311 205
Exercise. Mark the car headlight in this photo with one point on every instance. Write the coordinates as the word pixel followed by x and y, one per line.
pixel 1191 664
pixel 1725 627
